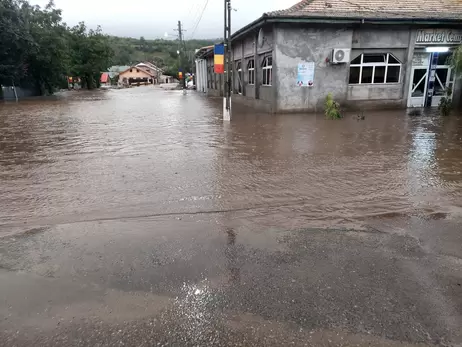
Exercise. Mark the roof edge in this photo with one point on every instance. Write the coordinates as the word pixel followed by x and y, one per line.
pixel 266 18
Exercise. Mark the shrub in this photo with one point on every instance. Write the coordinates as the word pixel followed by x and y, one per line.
pixel 332 110
pixel 445 105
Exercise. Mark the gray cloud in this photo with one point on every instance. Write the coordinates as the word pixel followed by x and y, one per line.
pixel 152 19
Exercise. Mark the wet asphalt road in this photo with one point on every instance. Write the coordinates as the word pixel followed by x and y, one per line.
pixel 137 218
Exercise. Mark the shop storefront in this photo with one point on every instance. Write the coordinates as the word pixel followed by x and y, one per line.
pixel 431 71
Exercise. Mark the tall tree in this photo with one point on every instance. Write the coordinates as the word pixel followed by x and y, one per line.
pixel 456 60
pixel 15 42
pixel 48 57
pixel 37 49
pixel 90 54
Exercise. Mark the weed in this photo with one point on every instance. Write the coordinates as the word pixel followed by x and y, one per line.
pixel 332 110
pixel 445 105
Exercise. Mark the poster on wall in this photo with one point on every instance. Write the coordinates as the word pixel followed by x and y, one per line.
pixel 305 74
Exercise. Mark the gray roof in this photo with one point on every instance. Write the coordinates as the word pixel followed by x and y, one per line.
pixel 374 9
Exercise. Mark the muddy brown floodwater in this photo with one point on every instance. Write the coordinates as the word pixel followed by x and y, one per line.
pixel 137 217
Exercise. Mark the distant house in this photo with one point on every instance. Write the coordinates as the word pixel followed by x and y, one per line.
pixel 135 75
pixel 105 79
pixel 116 70
pixel 152 69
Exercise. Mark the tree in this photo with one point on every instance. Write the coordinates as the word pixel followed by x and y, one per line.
pixel 37 49
pixel 15 42
pixel 456 60
pixel 90 54
pixel 48 56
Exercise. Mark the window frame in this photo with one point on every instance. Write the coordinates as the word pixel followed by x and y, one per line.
pixel 385 64
pixel 239 76
pixel 268 70
pixel 251 72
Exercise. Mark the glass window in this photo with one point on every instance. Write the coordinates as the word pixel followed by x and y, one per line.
pixel 379 74
pixel 354 75
pixel 366 76
pixel 251 71
pixel 267 68
pixel 443 58
pixel 375 69
pixel 373 58
pixel 392 59
pixel 356 60
pixel 393 74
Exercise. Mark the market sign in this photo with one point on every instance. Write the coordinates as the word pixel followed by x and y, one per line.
pixel 438 37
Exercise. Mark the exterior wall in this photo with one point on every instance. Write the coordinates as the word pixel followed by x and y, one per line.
pixel 292 44
pixel 296 45
pixel 7 93
pixel 136 73
pixel 254 95
pixel 201 75
pixel 150 71
pixel 397 41
pixel 167 79
pixel 214 81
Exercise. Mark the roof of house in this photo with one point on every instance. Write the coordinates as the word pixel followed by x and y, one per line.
pixel 149 65
pixel 204 51
pixel 134 67
pixel 118 68
pixel 441 9
pixel 104 77
pixel 415 11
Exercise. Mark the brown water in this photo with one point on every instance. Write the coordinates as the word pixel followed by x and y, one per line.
pixel 142 152
pixel 137 217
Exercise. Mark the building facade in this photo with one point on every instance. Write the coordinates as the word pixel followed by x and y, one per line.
pixel 136 75
pixel 367 55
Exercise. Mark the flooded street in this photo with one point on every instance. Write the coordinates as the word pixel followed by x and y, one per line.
pixel 136 217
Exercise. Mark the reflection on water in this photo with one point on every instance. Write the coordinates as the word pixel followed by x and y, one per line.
pixel 143 151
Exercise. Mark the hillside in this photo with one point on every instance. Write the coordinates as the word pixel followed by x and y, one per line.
pixel 163 53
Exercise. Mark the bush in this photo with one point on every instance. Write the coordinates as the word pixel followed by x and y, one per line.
pixel 332 110
pixel 445 105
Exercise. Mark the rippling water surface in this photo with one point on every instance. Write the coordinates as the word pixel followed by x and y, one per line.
pixel 144 152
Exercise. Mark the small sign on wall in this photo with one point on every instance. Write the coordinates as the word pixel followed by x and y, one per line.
pixel 305 74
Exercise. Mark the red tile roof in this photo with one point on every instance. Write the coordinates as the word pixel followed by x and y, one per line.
pixel 407 9
pixel 104 77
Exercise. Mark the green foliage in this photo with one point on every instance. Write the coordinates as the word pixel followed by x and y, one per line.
pixel 332 108
pixel 445 105
pixel 162 53
pixel 38 50
pixel 90 54
pixel 456 60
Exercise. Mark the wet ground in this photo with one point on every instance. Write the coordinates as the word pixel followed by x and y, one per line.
pixel 137 218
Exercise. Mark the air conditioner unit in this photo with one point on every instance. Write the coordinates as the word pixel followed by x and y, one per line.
pixel 341 55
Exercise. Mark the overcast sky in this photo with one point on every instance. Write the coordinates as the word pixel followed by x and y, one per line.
pixel 154 18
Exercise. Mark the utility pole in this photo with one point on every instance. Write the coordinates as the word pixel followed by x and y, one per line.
pixel 228 66
pixel 181 47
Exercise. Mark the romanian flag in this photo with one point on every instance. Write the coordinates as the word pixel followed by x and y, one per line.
pixel 219 58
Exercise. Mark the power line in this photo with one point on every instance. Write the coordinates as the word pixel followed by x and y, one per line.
pixel 196 13
pixel 189 12
pixel 200 18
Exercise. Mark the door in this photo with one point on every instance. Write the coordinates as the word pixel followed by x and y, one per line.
pixel 443 79
pixel 418 87
pixel 239 77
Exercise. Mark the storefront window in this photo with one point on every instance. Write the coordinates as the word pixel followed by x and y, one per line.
pixel 443 58
pixel 375 69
